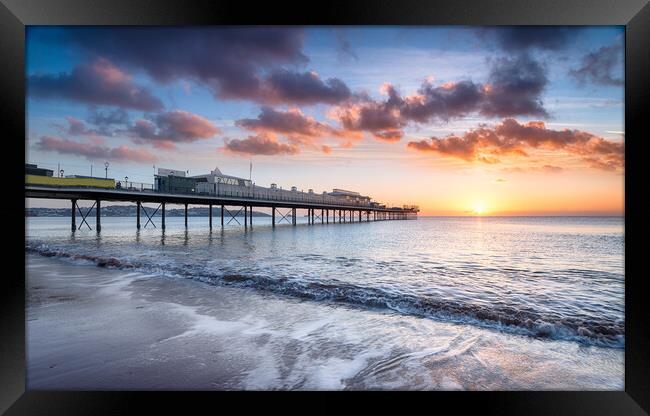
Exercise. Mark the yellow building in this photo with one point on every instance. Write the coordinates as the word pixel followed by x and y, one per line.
pixel 54 181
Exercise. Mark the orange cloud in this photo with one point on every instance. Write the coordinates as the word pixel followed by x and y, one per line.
pixel 513 138
pixel 299 128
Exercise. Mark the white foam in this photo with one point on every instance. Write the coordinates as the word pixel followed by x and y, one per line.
pixel 204 324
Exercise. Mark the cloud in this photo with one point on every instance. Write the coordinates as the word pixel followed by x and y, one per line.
pixel 177 126
pixel 94 151
pixel 514 88
pixel 543 169
pixel 551 169
pixel 113 117
pixel 443 102
pixel 260 145
pixel 345 52
pixel 99 82
pixel 75 127
pixel 301 129
pixel 513 138
pixel 247 63
pixel 285 86
pixel 522 38
pixel 601 67
pixel 292 123
pixel 382 119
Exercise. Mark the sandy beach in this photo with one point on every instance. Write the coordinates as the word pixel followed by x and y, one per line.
pixel 93 328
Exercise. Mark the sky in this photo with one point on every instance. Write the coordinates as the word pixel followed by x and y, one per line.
pixel 509 120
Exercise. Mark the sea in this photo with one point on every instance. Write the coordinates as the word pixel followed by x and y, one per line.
pixel 437 303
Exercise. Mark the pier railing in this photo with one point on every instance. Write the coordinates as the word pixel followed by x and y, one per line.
pixel 253 192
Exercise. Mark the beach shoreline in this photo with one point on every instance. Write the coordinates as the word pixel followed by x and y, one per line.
pixel 92 327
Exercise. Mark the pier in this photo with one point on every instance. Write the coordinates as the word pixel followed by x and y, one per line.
pixel 321 209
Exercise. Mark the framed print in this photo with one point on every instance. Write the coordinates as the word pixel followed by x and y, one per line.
pixel 412 196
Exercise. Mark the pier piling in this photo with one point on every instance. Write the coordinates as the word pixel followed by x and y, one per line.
pixel 73 215
pixel 137 214
pixel 163 216
pixel 98 216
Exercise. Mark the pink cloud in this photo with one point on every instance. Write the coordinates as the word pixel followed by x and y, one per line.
pixel 94 150
pixel 98 82
pixel 166 129
pixel 260 145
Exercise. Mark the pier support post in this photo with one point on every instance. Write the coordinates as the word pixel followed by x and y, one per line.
pixel 327 215
pixel 312 216
pixel 359 215
pixel 73 216
pixel 137 214
pixel 250 216
pixel 98 216
pixel 222 207
pixel 273 217
pixel 322 220
pixel 210 215
pixel 293 216
pixel 185 215
pixel 245 217
pixel 162 215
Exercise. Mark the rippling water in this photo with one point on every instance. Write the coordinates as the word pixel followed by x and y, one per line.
pixel 541 277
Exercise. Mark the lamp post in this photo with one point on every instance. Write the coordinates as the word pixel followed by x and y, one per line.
pixel 61 173
pixel 126 181
pixel 106 164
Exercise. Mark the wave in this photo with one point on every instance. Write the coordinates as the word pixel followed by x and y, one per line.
pixel 604 332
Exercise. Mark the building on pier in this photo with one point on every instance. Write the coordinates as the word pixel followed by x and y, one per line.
pixel 350 196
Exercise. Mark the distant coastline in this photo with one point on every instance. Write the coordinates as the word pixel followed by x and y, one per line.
pixel 130 211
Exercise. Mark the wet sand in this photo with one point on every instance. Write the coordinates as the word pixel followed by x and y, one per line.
pixel 93 328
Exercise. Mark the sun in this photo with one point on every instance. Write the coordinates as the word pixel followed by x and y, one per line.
pixel 479 208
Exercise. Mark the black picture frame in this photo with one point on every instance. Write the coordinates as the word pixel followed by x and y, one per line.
pixel 15 15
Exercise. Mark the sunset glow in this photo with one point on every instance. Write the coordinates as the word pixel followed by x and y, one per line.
pixel 479 208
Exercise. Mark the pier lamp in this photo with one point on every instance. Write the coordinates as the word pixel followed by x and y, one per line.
pixel 106 164
pixel 61 173
pixel 126 181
